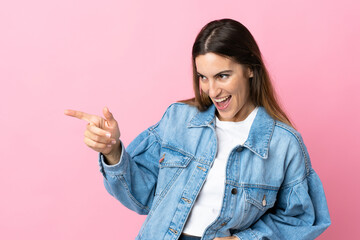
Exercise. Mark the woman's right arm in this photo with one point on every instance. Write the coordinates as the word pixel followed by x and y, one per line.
pixel 129 175
pixel 133 179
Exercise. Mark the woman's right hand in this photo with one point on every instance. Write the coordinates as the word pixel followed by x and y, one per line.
pixel 101 134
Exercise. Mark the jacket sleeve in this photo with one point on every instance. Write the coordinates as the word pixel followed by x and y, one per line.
pixel 300 211
pixel 132 181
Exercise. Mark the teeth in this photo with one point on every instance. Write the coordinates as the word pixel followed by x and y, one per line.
pixel 221 99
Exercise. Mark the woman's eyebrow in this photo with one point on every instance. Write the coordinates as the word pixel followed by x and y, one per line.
pixel 219 73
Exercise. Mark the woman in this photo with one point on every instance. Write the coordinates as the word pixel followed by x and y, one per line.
pixel 226 164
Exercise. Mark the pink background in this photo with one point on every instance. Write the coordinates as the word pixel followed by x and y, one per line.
pixel 134 57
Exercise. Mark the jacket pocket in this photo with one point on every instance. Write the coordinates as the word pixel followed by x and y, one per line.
pixel 257 201
pixel 261 198
pixel 172 158
pixel 171 165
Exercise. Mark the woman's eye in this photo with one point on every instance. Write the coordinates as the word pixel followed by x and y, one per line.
pixel 223 76
pixel 202 78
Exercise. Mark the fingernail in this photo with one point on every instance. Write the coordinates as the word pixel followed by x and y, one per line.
pixel 108 135
pixel 113 141
pixel 109 146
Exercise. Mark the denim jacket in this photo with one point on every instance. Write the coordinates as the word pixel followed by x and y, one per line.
pixel 271 190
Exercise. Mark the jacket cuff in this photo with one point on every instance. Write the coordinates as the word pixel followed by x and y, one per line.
pixel 246 234
pixel 115 169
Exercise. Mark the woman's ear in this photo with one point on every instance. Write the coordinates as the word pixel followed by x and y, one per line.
pixel 250 73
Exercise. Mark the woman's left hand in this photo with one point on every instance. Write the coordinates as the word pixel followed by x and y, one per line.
pixel 227 238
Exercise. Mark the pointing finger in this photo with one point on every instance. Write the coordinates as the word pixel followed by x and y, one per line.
pixel 78 114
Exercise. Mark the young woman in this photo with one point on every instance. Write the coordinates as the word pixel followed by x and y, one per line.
pixel 226 164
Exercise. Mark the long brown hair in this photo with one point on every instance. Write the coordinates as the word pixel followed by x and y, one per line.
pixel 229 38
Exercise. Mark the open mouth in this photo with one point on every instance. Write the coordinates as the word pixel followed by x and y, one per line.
pixel 222 103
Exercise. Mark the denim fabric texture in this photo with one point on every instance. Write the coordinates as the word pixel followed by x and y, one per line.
pixel 271 189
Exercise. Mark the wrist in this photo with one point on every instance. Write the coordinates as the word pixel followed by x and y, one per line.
pixel 113 157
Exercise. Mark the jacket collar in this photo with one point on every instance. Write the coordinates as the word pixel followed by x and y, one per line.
pixel 260 133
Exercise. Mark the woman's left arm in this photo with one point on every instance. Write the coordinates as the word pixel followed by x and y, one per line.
pixel 300 213
pixel 301 210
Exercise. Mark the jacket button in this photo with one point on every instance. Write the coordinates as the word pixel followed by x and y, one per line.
pixel 239 149
pixel 234 191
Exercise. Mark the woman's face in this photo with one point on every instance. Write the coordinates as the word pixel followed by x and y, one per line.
pixel 227 84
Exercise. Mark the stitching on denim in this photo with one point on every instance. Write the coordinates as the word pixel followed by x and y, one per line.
pixel 253 201
pixel 152 128
pixel 295 182
pixel 123 182
pixel 167 188
pixel 198 186
pixel 254 150
pixel 186 154
pixel 177 150
pixel 189 123
pixel 161 196
pixel 154 141
pixel 244 185
pixel 187 158
pixel 254 235
pixel 206 124
pixel 201 160
pixel 155 133
pixel 257 151
pixel 116 174
pixel 290 130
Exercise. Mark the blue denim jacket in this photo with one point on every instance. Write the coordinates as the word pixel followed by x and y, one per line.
pixel 271 190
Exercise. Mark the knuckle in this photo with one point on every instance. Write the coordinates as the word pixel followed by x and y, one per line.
pixel 96 138
pixel 94 144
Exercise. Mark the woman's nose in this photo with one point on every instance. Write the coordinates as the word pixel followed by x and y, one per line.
pixel 214 90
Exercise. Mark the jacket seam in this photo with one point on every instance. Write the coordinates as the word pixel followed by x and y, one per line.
pixel 116 174
pixel 178 150
pixel 123 182
pixel 295 182
pixel 300 145
pixel 254 234
pixel 168 186
pixel 246 185
pixel 157 136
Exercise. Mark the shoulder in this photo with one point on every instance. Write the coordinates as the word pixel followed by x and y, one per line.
pixel 177 114
pixel 291 142
pixel 287 132
pixel 178 109
pixel 289 135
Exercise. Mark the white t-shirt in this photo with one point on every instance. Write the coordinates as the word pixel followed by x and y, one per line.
pixel 209 202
